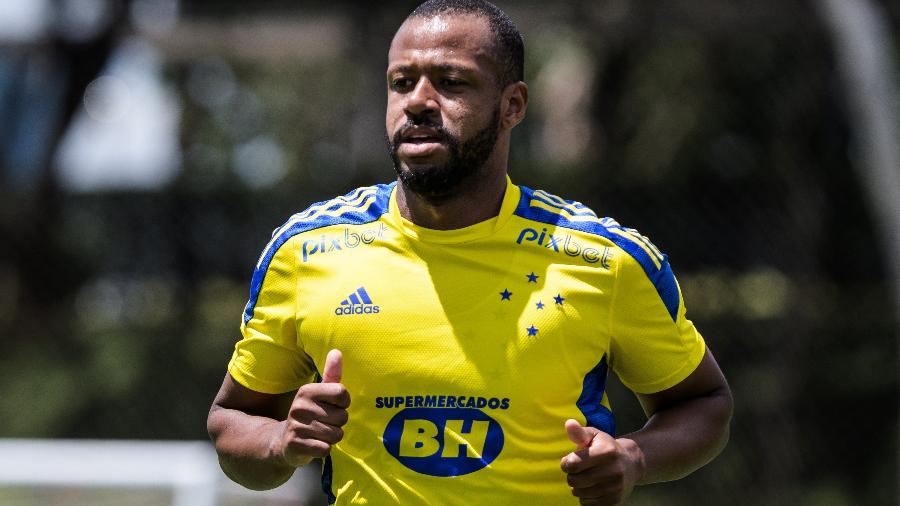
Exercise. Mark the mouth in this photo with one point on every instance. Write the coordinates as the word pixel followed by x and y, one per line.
pixel 419 135
pixel 421 139
pixel 418 142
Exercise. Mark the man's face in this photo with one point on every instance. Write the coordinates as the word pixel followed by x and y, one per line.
pixel 443 111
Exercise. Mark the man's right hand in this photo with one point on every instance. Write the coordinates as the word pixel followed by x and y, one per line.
pixel 318 412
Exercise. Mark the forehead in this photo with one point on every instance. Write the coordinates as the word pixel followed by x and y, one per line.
pixel 441 39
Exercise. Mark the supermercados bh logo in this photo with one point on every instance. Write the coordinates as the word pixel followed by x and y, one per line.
pixel 443 435
pixel 564 244
pixel 349 240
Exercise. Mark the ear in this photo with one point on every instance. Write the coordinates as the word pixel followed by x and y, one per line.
pixel 514 104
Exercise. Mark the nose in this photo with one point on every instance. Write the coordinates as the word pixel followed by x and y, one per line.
pixel 422 101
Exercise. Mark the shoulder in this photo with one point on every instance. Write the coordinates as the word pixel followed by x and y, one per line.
pixel 360 206
pixel 548 209
pixel 635 257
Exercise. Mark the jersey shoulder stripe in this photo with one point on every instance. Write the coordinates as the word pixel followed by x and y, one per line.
pixel 553 203
pixel 544 208
pixel 361 206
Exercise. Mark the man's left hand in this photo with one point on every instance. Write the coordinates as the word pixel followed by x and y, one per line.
pixel 602 470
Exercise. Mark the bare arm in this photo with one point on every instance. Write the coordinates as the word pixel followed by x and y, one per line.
pixel 688 426
pixel 261 438
pixel 246 427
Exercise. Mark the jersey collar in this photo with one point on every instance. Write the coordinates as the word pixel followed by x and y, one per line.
pixel 460 235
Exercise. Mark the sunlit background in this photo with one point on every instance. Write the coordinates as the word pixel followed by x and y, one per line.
pixel 149 147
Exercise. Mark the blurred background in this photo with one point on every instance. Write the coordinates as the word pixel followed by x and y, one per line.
pixel 149 147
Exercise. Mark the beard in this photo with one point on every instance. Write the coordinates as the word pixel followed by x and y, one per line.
pixel 438 182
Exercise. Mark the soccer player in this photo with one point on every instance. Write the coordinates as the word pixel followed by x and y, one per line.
pixel 476 320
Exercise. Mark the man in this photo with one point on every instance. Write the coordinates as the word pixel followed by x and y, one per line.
pixel 476 320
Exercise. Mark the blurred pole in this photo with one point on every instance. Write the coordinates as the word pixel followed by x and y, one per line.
pixel 862 46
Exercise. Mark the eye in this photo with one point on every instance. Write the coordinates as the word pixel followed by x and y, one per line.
pixel 449 82
pixel 401 84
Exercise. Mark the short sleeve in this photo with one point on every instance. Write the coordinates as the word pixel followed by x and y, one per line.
pixel 268 358
pixel 653 345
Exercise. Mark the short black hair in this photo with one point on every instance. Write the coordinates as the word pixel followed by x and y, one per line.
pixel 509 48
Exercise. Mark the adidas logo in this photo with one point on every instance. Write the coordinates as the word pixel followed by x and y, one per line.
pixel 357 302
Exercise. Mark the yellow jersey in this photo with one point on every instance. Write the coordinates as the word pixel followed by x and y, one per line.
pixel 464 350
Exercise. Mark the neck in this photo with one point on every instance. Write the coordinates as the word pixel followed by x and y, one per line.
pixel 477 202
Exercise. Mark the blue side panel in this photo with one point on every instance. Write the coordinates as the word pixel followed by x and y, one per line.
pixel 362 216
pixel 662 278
pixel 596 414
pixel 326 480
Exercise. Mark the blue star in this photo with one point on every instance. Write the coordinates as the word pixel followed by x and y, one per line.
pixel 540 305
pixel 532 278
pixel 559 299
pixel 532 330
pixel 505 294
